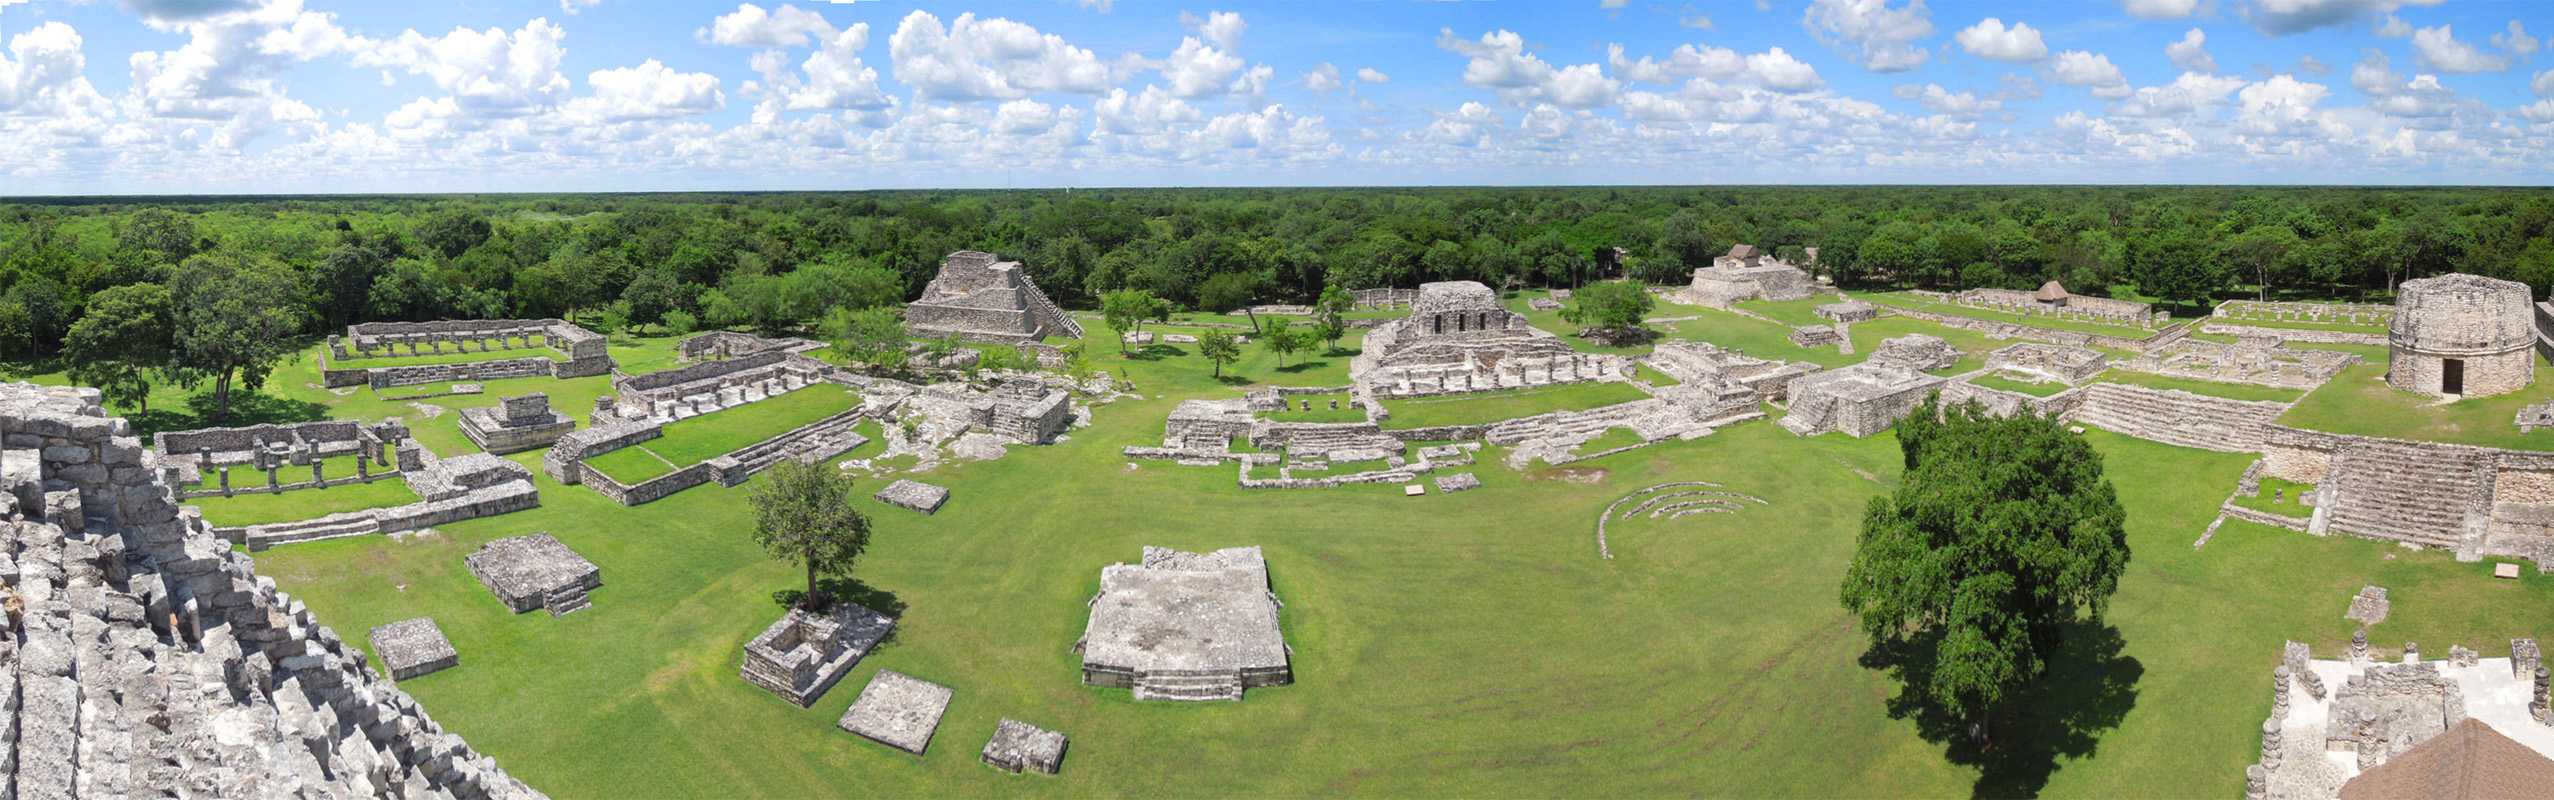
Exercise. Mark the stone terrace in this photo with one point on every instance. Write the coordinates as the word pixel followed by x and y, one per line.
pixel 1019 746
pixel 1860 400
pixel 897 710
pixel 536 571
pixel 146 654
pixel 516 424
pixel 1186 626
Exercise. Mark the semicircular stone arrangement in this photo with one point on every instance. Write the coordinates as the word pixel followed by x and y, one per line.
pixel 1670 501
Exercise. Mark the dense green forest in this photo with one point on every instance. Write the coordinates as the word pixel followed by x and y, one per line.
pixel 193 288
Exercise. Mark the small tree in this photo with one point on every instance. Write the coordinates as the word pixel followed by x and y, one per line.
pixel 1125 310
pixel 871 336
pixel 1283 339
pixel 803 514
pixel 1610 309
pixel 679 322
pixel 123 337
pixel 2002 533
pixel 1330 313
pixel 1219 347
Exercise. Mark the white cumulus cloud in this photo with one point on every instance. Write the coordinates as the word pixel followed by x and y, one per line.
pixel 2160 9
pixel 981 59
pixel 2437 48
pixel 1991 40
pixel 2092 71
pixel 1874 35
pixel 2191 53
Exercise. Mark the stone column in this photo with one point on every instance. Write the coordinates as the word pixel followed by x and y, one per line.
pixel 2359 647
pixel 2271 752
pixel 363 470
pixel 226 481
pixel 2411 653
pixel 2256 783
pixel 272 480
pixel 2536 699
pixel 2279 692
pixel 319 473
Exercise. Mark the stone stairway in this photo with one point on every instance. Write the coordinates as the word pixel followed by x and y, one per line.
pixel 1811 415
pixel 1580 426
pixel 1039 304
pixel 2427 494
pixel 2179 418
pixel 1180 686
pixel 567 600
pixel 1328 439
pixel 328 527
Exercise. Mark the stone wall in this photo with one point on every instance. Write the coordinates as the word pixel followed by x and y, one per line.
pixel 2177 417
pixel 2296 334
pixel 131 581
pixel 561 462
pixel 647 491
pixel 472 372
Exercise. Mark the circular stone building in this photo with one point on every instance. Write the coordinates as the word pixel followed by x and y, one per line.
pixel 2461 334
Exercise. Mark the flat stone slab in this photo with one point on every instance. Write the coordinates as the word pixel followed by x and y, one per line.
pixel 1019 746
pixel 2506 569
pixel 1458 482
pixel 914 495
pixel 412 647
pixel 2369 606
pixel 523 571
pixel 1414 490
pixel 897 710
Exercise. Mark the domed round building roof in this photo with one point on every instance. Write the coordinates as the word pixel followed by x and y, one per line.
pixel 2459 313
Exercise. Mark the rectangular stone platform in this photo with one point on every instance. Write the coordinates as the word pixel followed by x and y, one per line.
pixel 804 653
pixel 1018 746
pixel 412 647
pixel 914 495
pixel 536 571
pixel 1186 626
pixel 897 710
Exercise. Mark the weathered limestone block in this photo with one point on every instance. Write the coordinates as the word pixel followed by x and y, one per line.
pixel 1018 746
pixel 413 647
pixel 914 495
pixel 897 710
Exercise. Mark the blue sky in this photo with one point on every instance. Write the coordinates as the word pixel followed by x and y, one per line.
pixel 243 96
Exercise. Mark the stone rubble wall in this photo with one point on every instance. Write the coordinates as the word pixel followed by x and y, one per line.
pixel 647 491
pixel 470 372
pixel 566 454
pixel 2180 418
pixel 2296 334
pixel 2091 309
pixel 131 606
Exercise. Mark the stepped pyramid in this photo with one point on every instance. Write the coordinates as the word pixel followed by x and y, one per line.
pixel 982 298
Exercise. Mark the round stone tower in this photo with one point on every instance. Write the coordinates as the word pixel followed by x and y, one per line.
pixel 2464 335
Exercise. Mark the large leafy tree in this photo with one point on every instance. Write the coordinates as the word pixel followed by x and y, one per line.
pixel 1611 308
pixel 120 341
pixel 870 336
pixel 2002 533
pixel 237 319
pixel 803 514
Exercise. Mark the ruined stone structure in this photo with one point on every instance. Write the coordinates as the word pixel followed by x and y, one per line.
pixel 143 653
pixel 1458 338
pixel 2317 741
pixel 1859 400
pixel 805 652
pixel 2464 335
pixel 1746 273
pixel 2315 312
pixel 1395 298
pixel 588 354
pixel 2048 362
pixel 454 489
pixel 1675 499
pixel 982 298
pixel 536 571
pixel 712 385
pixel 1847 311
pixel 722 345
pixel 2052 299
pixel 1702 362
pixel 2261 361
pixel 897 710
pixel 2472 501
pixel 1019 746
pixel 914 495
pixel 516 424
pixel 1915 352
pixel 1207 425
pixel 1186 626
pixel 191 455
pixel 2369 606
pixel 413 647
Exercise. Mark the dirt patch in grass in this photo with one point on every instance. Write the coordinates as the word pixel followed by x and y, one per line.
pixel 1578 475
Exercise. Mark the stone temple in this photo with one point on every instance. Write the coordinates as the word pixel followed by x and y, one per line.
pixel 2462 335
pixel 982 298
pixel 1458 338
pixel 1186 626
pixel 1746 273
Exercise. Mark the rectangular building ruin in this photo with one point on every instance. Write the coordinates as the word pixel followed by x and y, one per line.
pixel 515 424
pixel 979 297
pixel 712 385
pixel 536 571
pixel 1186 626
pixel 588 353
pixel 1746 273
pixel 2053 299
pixel 2048 362
pixel 1458 338
pixel 1859 400
pixel 805 653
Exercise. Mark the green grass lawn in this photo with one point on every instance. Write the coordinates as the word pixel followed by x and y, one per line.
pixel 693 440
pixel 1803 311
pixel 2032 388
pixel 1910 301
pixel 2360 401
pixel 2236 391
pixel 1321 410
pixel 300 504
pixel 1434 656
pixel 446 357
pixel 2291 503
pixel 2301 325
pixel 1473 408
pixel 1610 439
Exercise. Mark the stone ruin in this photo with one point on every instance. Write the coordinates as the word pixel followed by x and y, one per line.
pixel 1915 352
pixel 1676 500
pixel 191 456
pixel 536 571
pixel 1815 336
pixel 723 345
pixel 1458 482
pixel 2053 299
pixel 588 353
pixel 1847 312
pixel 413 647
pixel 1458 338
pixel 2462 335
pixel 1746 273
pixel 2033 361
pixel 979 297
pixel 1691 362
pixel 453 489
pixel 2369 606
pixel 2261 361
pixel 914 495
pixel 2331 720
pixel 941 420
pixel 712 385
pixel 897 710
pixel 145 654
pixel 2535 415
pixel 806 652
pixel 1021 747
pixel 1859 400
pixel 516 424
pixel 1186 626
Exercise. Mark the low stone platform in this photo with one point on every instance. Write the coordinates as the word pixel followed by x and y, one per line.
pixel 412 647
pixel 516 424
pixel 1018 746
pixel 914 495
pixel 2369 606
pixel 804 653
pixel 1458 482
pixel 897 710
pixel 1186 626
pixel 536 571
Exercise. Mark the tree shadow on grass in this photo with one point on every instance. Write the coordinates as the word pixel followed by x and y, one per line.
pixel 247 408
pixel 838 589
pixel 2089 687
pixel 1234 380
pixel 1155 352
pixel 1301 366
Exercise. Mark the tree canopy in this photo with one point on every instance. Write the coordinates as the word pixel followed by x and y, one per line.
pixel 803 515
pixel 2002 532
